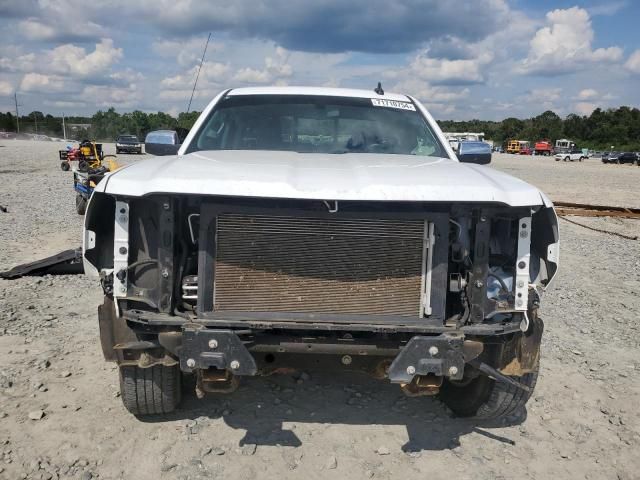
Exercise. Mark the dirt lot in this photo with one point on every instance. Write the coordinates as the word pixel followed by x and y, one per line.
pixel 60 415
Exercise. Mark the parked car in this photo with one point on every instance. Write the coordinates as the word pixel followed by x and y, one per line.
pixel 525 151
pixel 303 227
pixel 628 157
pixel 128 144
pixel 610 157
pixel 571 156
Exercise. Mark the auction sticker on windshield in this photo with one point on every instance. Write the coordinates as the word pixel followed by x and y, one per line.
pixel 383 102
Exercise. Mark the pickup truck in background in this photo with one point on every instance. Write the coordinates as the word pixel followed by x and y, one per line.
pixel 572 155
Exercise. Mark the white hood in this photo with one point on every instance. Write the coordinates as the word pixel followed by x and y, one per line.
pixel 351 176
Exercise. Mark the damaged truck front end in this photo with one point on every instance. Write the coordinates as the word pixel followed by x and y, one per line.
pixel 438 297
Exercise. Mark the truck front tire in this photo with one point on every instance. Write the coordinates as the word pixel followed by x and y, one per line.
pixel 150 391
pixel 484 398
pixel 81 204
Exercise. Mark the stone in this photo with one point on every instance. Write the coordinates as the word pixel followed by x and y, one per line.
pixel 249 449
pixel 36 414
pixel 65 374
pixel 332 463
pixel 165 467
pixel 383 451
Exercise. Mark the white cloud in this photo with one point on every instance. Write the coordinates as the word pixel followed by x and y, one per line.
pixel 608 9
pixel 587 94
pixel 187 52
pixel 633 62
pixel 542 95
pixel 127 76
pixel 36 82
pixel 584 108
pixel 565 45
pixel 251 75
pixel 451 72
pixel 108 96
pixel 34 30
pixel 212 73
pixel 21 63
pixel 276 70
pixel 6 88
pixel 64 104
pixel 440 100
pixel 73 60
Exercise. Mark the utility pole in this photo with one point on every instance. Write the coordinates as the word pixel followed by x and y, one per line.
pixel 35 119
pixel 15 97
pixel 64 130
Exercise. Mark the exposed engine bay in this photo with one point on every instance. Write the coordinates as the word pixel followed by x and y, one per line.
pixel 356 279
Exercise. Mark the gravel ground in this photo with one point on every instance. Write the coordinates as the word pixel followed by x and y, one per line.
pixel 589 181
pixel 60 415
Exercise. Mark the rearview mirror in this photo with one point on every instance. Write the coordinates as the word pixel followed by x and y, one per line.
pixel 474 152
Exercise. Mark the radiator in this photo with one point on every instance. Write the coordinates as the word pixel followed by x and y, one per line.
pixel 322 265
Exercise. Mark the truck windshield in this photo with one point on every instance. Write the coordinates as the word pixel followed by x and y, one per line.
pixel 317 124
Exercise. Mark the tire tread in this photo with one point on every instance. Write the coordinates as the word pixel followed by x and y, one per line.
pixel 484 398
pixel 150 391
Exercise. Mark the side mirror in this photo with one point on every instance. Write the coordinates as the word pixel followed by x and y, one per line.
pixel 162 142
pixel 474 152
pixel 160 149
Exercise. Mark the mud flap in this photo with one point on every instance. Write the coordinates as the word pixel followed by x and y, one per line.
pixel 113 330
pixel 522 355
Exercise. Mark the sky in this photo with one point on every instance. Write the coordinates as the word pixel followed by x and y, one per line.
pixel 485 59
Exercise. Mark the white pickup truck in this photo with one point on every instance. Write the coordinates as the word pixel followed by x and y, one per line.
pixel 325 229
pixel 571 155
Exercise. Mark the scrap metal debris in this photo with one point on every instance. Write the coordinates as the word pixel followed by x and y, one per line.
pixel 68 262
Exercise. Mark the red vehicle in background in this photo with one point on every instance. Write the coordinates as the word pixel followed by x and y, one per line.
pixel 543 147
pixel 525 151
pixel 525 148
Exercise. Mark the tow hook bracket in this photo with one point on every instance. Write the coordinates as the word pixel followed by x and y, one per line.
pixel 204 348
pixel 440 355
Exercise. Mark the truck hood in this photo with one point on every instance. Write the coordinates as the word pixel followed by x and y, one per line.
pixel 351 176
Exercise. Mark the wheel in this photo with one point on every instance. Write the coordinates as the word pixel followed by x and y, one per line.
pixel 117 151
pixel 580 159
pixel 150 391
pixel 81 204
pixel 83 166
pixel 64 166
pixel 567 158
pixel 485 398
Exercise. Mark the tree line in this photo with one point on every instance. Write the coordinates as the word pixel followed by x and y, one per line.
pixel 105 125
pixel 602 129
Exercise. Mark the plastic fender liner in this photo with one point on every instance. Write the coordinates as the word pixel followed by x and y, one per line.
pixel 545 243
